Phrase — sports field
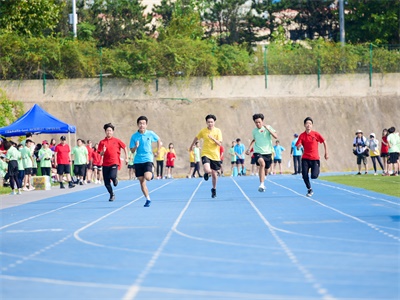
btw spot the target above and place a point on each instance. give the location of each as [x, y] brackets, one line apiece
[343, 243]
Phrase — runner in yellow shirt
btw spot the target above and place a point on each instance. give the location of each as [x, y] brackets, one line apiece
[210, 155]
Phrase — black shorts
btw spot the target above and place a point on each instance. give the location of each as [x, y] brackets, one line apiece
[214, 164]
[384, 154]
[97, 168]
[192, 164]
[28, 171]
[89, 166]
[131, 166]
[63, 169]
[253, 160]
[240, 161]
[277, 160]
[79, 170]
[13, 168]
[233, 162]
[394, 157]
[266, 157]
[142, 168]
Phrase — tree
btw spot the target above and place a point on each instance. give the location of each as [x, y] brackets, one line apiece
[9, 110]
[373, 21]
[118, 21]
[184, 21]
[315, 18]
[31, 18]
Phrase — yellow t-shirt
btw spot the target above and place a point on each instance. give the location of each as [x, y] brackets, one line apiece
[191, 156]
[210, 148]
[161, 154]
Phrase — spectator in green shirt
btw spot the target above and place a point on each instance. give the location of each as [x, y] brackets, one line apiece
[80, 159]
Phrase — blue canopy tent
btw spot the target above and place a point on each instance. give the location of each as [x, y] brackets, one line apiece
[36, 121]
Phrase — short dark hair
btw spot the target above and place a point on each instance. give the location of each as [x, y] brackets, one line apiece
[28, 141]
[308, 119]
[258, 116]
[7, 145]
[391, 129]
[211, 117]
[142, 118]
[108, 125]
[237, 140]
[80, 140]
[28, 134]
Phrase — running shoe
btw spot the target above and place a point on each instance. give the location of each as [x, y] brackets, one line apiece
[206, 176]
[261, 188]
[112, 198]
[115, 182]
[147, 204]
[310, 193]
[213, 193]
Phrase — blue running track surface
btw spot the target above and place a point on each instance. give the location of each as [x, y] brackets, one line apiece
[342, 243]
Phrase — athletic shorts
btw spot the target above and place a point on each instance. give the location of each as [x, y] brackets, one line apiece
[97, 168]
[89, 166]
[170, 166]
[214, 164]
[253, 160]
[384, 154]
[277, 160]
[63, 169]
[240, 161]
[13, 168]
[233, 162]
[142, 168]
[394, 157]
[79, 170]
[192, 165]
[361, 158]
[28, 171]
[266, 157]
[131, 166]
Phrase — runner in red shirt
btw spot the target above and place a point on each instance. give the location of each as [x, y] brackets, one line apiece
[110, 149]
[62, 162]
[309, 140]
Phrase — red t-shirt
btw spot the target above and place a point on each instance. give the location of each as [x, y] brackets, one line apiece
[171, 159]
[384, 148]
[221, 152]
[90, 151]
[62, 154]
[112, 155]
[97, 159]
[310, 143]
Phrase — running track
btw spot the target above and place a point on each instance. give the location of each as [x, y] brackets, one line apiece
[343, 243]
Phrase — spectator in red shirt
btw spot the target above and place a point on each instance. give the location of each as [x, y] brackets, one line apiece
[2, 151]
[110, 149]
[89, 167]
[62, 161]
[309, 139]
[171, 156]
[385, 152]
[97, 160]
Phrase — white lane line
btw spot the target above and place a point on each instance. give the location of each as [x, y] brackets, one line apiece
[25, 258]
[77, 232]
[64, 282]
[355, 193]
[370, 225]
[136, 286]
[309, 277]
[57, 209]
[182, 292]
